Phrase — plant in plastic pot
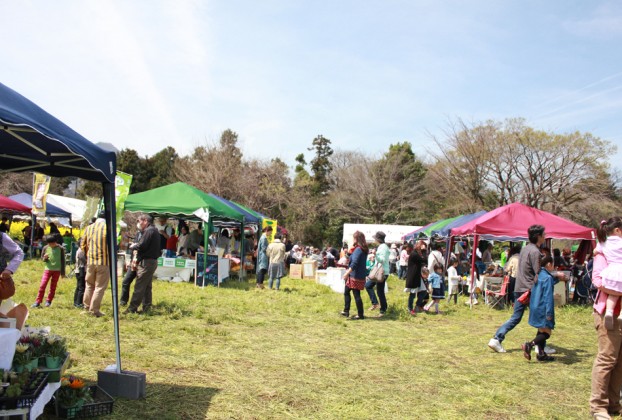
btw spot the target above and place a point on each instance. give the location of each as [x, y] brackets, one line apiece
[22, 357]
[55, 351]
[72, 392]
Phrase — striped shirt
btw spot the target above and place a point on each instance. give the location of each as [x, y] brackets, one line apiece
[94, 244]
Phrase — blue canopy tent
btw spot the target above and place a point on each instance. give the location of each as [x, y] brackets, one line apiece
[33, 140]
[446, 230]
[50, 209]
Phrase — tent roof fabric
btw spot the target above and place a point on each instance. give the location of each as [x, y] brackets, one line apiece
[73, 205]
[248, 216]
[427, 229]
[33, 140]
[9, 206]
[251, 211]
[444, 231]
[512, 221]
[179, 200]
[50, 209]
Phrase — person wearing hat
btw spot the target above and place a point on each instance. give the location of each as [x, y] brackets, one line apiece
[382, 257]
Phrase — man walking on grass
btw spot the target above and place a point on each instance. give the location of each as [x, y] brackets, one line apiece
[528, 268]
[148, 248]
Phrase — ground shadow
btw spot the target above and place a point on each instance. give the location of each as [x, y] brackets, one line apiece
[562, 355]
[163, 401]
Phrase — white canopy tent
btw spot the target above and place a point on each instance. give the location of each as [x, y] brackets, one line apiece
[73, 205]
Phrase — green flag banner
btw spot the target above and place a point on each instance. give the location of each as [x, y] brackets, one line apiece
[122, 189]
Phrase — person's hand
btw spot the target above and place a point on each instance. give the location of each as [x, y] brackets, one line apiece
[6, 274]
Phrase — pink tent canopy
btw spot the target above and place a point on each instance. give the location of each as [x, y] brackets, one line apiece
[9, 206]
[513, 220]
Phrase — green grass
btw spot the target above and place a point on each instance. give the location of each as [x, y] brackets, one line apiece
[238, 352]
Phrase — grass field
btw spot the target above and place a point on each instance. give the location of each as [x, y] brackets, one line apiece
[238, 352]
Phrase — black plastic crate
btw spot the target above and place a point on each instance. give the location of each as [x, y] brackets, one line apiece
[101, 406]
[31, 392]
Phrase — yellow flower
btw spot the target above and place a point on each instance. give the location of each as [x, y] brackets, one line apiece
[21, 347]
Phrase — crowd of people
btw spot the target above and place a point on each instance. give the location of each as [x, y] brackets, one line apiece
[532, 273]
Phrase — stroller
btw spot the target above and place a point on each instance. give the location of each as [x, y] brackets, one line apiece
[584, 290]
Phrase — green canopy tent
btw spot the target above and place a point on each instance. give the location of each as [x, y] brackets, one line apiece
[180, 200]
[427, 230]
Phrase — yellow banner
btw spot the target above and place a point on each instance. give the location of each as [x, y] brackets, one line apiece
[39, 194]
[269, 222]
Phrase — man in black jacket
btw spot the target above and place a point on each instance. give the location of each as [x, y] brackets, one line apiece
[148, 248]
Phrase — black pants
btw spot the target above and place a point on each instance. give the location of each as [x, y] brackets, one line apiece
[261, 275]
[127, 282]
[347, 299]
[422, 299]
[78, 295]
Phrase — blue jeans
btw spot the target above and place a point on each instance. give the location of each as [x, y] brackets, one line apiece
[278, 283]
[369, 286]
[517, 315]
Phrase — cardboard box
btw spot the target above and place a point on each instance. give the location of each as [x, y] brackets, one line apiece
[295, 271]
[308, 269]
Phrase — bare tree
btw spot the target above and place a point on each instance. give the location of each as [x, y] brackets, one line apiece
[385, 190]
[496, 163]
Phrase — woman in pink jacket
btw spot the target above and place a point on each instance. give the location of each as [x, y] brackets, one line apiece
[607, 369]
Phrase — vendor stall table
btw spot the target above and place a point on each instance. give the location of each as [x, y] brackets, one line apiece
[176, 269]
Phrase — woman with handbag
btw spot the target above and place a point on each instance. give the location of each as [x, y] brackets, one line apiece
[355, 276]
[383, 253]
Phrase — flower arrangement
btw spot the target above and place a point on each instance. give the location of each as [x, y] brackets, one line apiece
[54, 346]
[23, 354]
[72, 392]
[36, 343]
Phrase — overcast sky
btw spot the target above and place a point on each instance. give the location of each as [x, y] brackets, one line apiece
[145, 74]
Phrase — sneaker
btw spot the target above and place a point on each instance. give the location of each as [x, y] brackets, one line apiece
[544, 358]
[356, 318]
[123, 303]
[549, 350]
[345, 313]
[527, 350]
[496, 345]
[78, 305]
[374, 307]
[380, 315]
[413, 312]
[35, 305]
[48, 304]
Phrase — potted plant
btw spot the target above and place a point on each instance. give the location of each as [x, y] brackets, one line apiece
[37, 349]
[22, 357]
[55, 351]
[72, 394]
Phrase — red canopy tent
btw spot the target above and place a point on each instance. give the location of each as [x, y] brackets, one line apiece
[511, 222]
[9, 206]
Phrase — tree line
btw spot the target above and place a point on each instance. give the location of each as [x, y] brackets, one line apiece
[471, 167]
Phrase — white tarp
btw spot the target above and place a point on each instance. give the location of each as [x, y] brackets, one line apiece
[73, 205]
[394, 232]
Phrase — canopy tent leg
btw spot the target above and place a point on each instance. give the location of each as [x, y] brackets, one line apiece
[473, 257]
[111, 234]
